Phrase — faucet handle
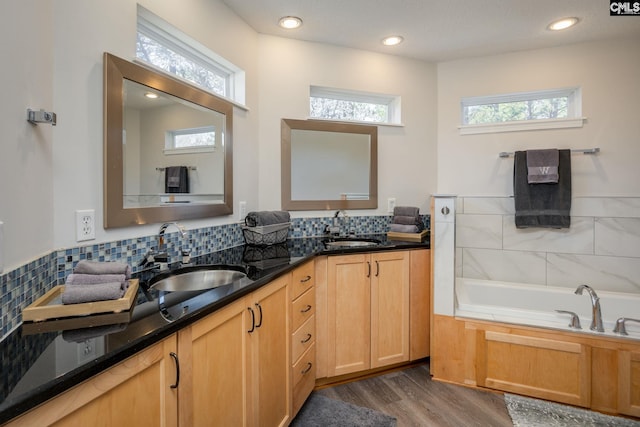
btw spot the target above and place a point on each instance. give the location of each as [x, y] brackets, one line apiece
[620, 325]
[575, 320]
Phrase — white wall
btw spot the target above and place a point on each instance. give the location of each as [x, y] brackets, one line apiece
[608, 74]
[406, 155]
[26, 173]
[83, 31]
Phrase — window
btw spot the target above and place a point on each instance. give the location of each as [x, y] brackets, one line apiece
[195, 140]
[163, 46]
[557, 108]
[343, 105]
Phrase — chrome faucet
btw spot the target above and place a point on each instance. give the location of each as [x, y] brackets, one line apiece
[162, 257]
[620, 328]
[596, 321]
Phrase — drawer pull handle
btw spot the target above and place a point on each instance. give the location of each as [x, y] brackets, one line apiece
[175, 358]
[306, 279]
[306, 309]
[377, 268]
[307, 369]
[307, 339]
[368, 269]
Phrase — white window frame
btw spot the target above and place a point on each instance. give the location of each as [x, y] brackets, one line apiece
[574, 111]
[166, 34]
[392, 102]
[170, 147]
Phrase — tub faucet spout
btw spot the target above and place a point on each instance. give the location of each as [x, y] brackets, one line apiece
[596, 321]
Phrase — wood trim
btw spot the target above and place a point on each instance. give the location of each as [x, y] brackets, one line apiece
[420, 304]
[533, 342]
[322, 317]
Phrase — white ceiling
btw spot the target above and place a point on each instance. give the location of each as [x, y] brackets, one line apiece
[438, 30]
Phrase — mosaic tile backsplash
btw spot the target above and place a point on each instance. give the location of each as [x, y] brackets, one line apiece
[22, 286]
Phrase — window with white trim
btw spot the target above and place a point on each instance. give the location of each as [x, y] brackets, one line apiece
[353, 106]
[192, 140]
[160, 44]
[544, 109]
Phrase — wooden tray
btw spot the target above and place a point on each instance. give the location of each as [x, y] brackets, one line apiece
[49, 306]
[408, 237]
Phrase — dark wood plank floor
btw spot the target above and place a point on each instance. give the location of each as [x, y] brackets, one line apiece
[415, 400]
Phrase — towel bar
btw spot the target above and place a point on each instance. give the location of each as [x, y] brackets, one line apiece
[193, 168]
[596, 150]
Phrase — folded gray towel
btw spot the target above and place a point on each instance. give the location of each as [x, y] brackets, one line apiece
[76, 294]
[93, 267]
[255, 219]
[406, 211]
[402, 228]
[94, 279]
[542, 166]
[406, 220]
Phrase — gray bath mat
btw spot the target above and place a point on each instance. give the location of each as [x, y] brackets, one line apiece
[321, 411]
[528, 412]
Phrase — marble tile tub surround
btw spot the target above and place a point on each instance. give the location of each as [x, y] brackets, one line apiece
[601, 248]
[22, 286]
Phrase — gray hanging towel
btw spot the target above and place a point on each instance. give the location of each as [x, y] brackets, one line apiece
[542, 166]
[545, 205]
[176, 179]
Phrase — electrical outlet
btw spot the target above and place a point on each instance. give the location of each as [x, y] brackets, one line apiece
[87, 350]
[242, 210]
[85, 225]
[391, 204]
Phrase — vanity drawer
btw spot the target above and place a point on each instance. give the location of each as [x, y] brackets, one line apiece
[304, 378]
[303, 338]
[302, 279]
[303, 308]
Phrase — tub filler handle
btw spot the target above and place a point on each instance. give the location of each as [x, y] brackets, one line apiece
[620, 328]
[575, 320]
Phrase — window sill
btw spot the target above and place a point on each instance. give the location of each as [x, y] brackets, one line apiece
[522, 126]
[358, 122]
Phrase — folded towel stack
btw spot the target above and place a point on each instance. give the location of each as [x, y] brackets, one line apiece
[96, 281]
[262, 218]
[406, 219]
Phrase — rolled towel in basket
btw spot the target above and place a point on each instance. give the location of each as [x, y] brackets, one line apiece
[94, 279]
[93, 267]
[256, 219]
[76, 294]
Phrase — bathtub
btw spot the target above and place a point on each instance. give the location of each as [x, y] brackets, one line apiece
[533, 305]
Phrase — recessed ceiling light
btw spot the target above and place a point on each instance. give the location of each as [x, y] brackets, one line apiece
[563, 24]
[290, 22]
[392, 40]
[151, 95]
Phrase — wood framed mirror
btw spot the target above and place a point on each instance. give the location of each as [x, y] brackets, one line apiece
[142, 145]
[329, 165]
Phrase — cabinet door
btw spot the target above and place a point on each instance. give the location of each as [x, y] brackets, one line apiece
[215, 391]
[270, 354]
[389, 308]
[348, 314]
[134, 392]
[420, 304]
[534, 366]
[629, 383]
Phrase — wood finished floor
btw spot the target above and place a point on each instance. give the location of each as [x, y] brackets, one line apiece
[415, 400]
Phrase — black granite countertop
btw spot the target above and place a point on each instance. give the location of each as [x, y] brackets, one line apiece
[41, 360]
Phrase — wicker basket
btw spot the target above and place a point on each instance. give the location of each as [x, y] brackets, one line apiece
[267, 234]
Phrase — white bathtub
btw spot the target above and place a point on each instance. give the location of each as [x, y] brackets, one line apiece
[535, 305]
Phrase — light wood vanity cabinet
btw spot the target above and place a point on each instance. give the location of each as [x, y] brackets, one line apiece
[137, 391]
[234, 359]
[303, 334]
[367, 311]
[629, 382]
